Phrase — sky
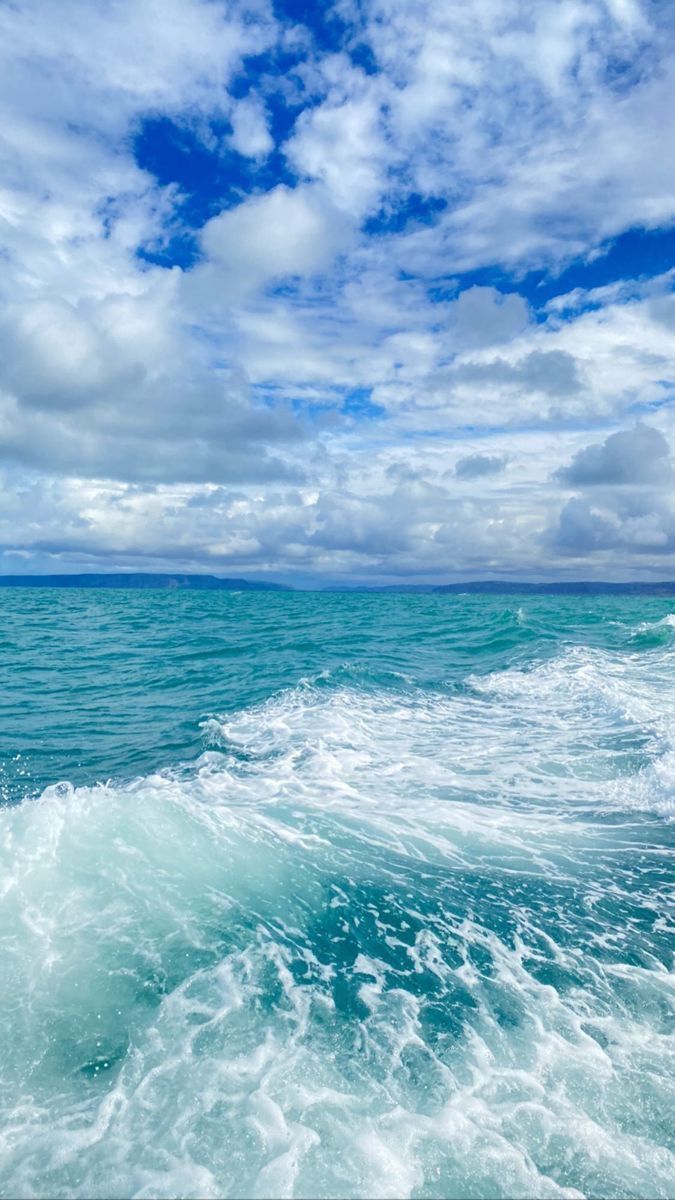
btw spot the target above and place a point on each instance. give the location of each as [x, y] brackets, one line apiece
[380, 291]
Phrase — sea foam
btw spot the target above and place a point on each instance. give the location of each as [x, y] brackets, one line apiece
[373, 942]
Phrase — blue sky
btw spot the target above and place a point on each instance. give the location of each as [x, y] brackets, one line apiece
[338, 292]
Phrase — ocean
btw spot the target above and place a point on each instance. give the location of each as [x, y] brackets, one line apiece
[336, 895]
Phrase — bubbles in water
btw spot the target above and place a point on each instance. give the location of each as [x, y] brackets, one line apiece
[375, 942]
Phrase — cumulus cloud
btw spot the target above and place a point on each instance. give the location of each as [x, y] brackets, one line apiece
[250, 132]
[284, 391]
[642, 529]
[341, 144]
[633, 456]
[627, 503]
[284, 232]
[583, 529]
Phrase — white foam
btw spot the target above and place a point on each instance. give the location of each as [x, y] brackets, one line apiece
[282, 974]
[667, 622]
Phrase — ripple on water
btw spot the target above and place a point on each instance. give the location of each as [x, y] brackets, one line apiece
[393, 929]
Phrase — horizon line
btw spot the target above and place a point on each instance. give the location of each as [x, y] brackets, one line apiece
[182, 580]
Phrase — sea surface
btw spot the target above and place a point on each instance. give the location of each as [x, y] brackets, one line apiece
[336, 895]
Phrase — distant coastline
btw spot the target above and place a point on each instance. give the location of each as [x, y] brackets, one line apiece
[141, 580]
[579, 587]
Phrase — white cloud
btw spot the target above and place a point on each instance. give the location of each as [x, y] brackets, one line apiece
[194, 416]
[342, 146]
[284, 232]
[250, 132]
[536, 123]
[130, 57]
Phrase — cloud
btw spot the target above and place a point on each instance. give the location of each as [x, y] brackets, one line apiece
[502, 117]
[262, 348]
[341, 144]
[552, 371]
[637, 530]
[627, 505]
[475, 466]
[134, 56]
[57, 357]
[635, 456]
[553, 374]
[483, 316]
[583, 529]
[116, 388]
[250, 132]
[286, 232]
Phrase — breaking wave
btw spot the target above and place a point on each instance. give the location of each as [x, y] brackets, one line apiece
[376, 941]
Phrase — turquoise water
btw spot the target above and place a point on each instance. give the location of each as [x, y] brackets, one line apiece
[336, 895]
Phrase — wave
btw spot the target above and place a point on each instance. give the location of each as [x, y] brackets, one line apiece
[585, 727]
[372, 943]
[648, 634]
